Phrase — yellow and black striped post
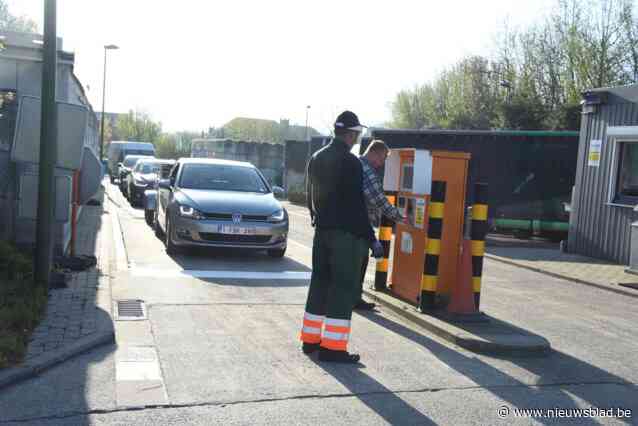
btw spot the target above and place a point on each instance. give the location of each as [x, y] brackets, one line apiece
[430, 277]
[477, 235]
[385, 237]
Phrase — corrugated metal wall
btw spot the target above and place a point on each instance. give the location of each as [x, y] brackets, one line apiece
[530, 174]
[598, 229]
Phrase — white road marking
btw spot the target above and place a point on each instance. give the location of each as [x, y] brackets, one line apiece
[141, 370]
[138, 377]
[299, 244]
[238, 275]
[306, 216]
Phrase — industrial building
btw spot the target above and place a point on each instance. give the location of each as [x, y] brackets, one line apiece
[605, 194]
[78, 170]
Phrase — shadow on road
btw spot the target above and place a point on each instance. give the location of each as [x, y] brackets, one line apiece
[374, 395]
[558, 370]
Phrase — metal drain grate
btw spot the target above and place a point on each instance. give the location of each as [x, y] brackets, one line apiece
[629, 285]
[130, 310]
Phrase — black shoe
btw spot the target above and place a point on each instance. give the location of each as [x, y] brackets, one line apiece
[362, 305]
[309, 348]
[343, 357]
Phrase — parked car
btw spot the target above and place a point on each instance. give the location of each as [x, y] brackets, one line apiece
[219, 203]
[126, 167]
[142, 177]
[118, 150]
[149, 199]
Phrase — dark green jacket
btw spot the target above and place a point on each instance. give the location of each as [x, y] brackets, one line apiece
[335, 193]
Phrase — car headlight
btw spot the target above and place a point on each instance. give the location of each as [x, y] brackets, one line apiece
[190, 212]
[140, 182]
[278, 216]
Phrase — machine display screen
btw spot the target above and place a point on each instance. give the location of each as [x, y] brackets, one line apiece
[407, 177]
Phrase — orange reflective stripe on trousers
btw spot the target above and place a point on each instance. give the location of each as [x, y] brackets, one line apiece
[336, 334]
[311, 330]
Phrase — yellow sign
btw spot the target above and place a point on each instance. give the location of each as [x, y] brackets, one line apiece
[595, 147]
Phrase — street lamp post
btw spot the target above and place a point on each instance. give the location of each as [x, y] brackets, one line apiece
[48, 149]
[107, 47]
[307, 110]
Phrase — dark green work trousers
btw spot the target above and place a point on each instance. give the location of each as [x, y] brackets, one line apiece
[337, 259]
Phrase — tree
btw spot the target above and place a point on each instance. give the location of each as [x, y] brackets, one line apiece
[138, 126]
[537, 75]
[11, 22]
[175, 145]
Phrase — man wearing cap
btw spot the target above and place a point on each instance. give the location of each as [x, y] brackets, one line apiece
[343, 236]
[372, 162]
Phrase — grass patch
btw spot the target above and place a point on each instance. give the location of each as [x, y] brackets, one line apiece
[22, 304]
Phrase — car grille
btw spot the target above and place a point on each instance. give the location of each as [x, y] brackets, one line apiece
[229, 217]
[241, 239]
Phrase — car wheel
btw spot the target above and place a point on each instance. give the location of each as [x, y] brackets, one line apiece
[149, 215]
[277, 252]
[171, 248]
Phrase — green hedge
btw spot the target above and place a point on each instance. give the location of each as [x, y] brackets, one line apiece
[22, 304]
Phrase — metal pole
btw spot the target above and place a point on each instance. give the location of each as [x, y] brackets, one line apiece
[103, 102]
[48, 149]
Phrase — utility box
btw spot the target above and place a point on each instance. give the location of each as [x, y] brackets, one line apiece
[409, 174]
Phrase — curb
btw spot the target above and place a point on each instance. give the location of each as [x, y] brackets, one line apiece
[561, 276]
[42, 363]
[533, 346]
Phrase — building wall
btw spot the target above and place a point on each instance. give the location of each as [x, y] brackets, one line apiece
[267, 157]
[295, 158]
[598, 229]
[21, 70]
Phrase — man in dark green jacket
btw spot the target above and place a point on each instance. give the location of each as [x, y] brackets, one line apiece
[343, 236]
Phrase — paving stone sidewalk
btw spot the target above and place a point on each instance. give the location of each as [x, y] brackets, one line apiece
[78, 317]
[566, 265]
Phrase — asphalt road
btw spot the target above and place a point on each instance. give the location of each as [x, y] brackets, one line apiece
[220, 350]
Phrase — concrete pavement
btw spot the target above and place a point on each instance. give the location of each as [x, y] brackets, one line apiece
[228, 353]
[78, 318]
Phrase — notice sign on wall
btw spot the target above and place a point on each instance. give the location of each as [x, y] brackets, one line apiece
[595, 147]
[406, 243]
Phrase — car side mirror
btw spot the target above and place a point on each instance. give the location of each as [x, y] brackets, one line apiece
[278, 191]
[164, 184]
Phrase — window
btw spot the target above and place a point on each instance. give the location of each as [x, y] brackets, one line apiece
[627, 173]
[407, 177]
[221, 178]
[8, 113]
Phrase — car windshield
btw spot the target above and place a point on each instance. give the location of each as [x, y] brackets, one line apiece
[222, 178]
[130, 161]
[146, 168]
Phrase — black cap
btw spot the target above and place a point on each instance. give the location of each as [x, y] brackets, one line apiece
[348, 120]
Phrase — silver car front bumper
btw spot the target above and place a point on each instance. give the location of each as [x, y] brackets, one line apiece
[212, 233]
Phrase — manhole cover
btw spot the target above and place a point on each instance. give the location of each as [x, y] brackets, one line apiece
[633, 286]
[130, 310]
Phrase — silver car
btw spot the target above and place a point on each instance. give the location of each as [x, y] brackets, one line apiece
[219, 203]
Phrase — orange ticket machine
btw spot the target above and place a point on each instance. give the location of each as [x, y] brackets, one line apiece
[409, 174]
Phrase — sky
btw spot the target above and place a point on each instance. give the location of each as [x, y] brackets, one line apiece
[195, 64]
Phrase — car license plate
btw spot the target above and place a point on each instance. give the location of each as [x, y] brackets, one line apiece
[236, 230]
